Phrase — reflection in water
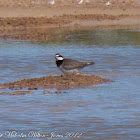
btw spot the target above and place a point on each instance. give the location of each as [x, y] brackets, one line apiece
[102, 37]
[106, 111]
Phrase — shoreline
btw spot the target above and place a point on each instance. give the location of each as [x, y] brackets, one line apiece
[36, 23]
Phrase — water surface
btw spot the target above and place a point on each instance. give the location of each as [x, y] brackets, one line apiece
[102, 112]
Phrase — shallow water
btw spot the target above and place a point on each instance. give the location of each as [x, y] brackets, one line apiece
[102, 112]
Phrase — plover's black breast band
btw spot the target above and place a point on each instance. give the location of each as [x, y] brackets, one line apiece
[59, 63]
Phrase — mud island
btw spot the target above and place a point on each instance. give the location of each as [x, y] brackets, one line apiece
[57, 82]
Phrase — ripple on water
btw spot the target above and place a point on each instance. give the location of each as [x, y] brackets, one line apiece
[106, 111]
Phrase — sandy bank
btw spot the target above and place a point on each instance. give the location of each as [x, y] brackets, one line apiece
[33, 19]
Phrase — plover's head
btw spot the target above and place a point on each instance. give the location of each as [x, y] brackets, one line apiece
[58, 57]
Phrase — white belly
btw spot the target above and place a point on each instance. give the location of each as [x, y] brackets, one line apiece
[73, 71]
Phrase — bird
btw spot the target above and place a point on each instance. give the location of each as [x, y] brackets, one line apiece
[51, 2]
[107, 3]
[80, 2]
[70, 66]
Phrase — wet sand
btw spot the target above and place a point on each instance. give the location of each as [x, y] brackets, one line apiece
[34, 20]
[57, 82]
[16, 93]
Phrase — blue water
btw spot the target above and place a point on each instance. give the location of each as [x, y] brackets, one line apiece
[107, 111]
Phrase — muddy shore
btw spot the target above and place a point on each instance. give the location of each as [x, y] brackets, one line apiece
[38, 20]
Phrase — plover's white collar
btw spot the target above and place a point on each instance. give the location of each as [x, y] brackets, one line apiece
[59, 57]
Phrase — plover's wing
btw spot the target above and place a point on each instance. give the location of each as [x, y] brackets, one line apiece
[73, 64]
